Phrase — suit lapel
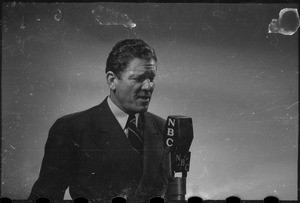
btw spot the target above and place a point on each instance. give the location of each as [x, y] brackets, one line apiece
[153, 146]
[111, 138]
[153, 154]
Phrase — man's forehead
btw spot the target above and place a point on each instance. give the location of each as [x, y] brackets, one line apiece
[143, 70]
[146, 68]
[142, 64]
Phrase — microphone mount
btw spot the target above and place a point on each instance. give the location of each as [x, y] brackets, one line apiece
[178, 136]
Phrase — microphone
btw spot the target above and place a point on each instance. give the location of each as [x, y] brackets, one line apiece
[178, 136]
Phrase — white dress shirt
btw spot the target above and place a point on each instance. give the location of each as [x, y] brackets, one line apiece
[120, 115]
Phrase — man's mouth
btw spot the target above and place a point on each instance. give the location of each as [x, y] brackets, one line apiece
[145, 98]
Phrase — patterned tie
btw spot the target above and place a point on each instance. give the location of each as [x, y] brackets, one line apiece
[134, 135]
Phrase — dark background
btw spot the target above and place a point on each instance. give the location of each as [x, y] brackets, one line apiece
[217, 64]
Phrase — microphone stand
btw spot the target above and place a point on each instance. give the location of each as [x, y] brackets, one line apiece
[176, 190]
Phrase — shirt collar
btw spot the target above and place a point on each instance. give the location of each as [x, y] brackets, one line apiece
[120, 115]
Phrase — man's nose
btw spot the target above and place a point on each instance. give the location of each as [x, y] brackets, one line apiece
[148, 84]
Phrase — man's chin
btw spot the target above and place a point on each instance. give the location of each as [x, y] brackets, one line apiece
[143, 109]
[139, 109]
[142, 106]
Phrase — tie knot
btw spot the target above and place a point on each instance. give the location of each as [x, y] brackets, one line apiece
[131, 120]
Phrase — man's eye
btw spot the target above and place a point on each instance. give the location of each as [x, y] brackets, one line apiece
[139, 79]
[142, 79]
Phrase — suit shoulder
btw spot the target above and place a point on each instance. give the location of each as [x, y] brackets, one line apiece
[71, 125]
[155, 117]
[79, 117]
[157, 120]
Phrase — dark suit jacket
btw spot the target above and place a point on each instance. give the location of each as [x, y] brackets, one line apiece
[89, 152]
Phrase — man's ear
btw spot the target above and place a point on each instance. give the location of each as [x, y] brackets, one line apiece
[111, 80]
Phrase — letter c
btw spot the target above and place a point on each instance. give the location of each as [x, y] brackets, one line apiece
[168, 142]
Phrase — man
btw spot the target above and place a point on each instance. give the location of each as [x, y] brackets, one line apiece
[115, 148]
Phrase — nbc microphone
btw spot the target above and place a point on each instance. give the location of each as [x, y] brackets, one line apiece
[178, 136]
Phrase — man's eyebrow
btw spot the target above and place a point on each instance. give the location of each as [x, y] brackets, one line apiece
[151, 67]
[141, 74]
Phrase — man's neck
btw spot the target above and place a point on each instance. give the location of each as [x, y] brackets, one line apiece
[120, 115]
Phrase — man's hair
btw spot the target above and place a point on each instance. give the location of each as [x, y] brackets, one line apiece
[126, 50]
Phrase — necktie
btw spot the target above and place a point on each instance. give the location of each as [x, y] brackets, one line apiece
[134, 135]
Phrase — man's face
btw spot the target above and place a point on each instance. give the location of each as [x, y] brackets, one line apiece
[133, 90]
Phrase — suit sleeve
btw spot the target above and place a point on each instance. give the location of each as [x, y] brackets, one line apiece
[57, 165]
